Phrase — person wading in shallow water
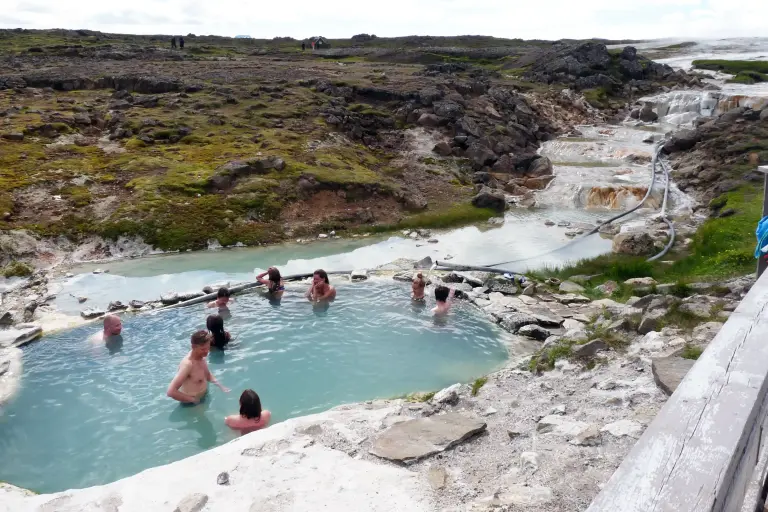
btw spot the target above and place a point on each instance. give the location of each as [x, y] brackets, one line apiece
[190, 384]
[275, 285]
[321, 289]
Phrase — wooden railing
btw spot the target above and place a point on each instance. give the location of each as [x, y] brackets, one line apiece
[706, 450]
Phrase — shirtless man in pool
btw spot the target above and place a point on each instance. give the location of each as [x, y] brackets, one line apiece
[191, 382]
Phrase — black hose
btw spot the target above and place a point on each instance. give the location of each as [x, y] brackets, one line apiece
[241, 287]
[442, 265]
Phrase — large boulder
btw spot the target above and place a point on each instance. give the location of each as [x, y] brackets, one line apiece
[448, 109]
[430, 120]
[489, 198]
[225, 176]
[682, 141]
[540, 167]
[647, 115]
[636, 244]
[480, 156]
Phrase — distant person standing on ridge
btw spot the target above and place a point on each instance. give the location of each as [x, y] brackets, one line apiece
[181, 43]
[313, 45]
[303, 46]
[173, 42]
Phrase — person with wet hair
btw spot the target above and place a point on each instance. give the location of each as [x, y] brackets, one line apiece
[417, 288]
[251, 416]
[223, 297]
[275, 284]
[220, 337]
[190, 384]
[443, 297]
[321, 289]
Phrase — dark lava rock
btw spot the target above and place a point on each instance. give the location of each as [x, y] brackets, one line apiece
[682, 141]
[443, 149]
[489, 198]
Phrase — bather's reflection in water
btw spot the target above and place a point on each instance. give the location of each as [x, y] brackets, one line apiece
[195, 418]
[225, 313]
[114, 343]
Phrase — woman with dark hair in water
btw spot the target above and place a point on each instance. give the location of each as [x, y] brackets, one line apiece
[275, 285]
[215, 325]
[321, 288]
[251, 416]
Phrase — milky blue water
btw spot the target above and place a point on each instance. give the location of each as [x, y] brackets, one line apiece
[89, 414]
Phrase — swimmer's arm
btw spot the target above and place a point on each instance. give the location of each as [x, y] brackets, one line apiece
[260, 278]
[175, 385]
[213, 380]
[308, 295]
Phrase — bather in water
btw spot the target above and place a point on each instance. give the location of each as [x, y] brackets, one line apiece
[321, 289]
[275, 284]
[223, 298]
[251, 416]
[220, 337]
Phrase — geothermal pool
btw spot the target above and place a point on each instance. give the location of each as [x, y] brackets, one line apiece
[89, 414]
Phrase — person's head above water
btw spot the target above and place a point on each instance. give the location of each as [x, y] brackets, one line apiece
[223, 293]
[215, 324]
[112, 325]
[441, 293]
[201, 344]
[320, 275]
[250, 404]
[274, 275]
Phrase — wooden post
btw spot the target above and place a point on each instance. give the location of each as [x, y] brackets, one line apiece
[762, 264]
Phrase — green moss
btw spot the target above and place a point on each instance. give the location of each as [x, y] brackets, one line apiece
[749, 78]
[419, 397]
[691, 352]
[479, 383]
[79, 195]
[453, 216]
[732, 67]
[135, 143]
[545, 360]
[17, 269]
[598, 97]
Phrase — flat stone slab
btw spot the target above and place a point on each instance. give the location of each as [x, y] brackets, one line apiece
[668, 372]
[623, 428]
[570, 298]
[19, 337]
[558, 425]
[412, 440]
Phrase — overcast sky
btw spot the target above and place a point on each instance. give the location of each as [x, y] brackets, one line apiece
[528, 19]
